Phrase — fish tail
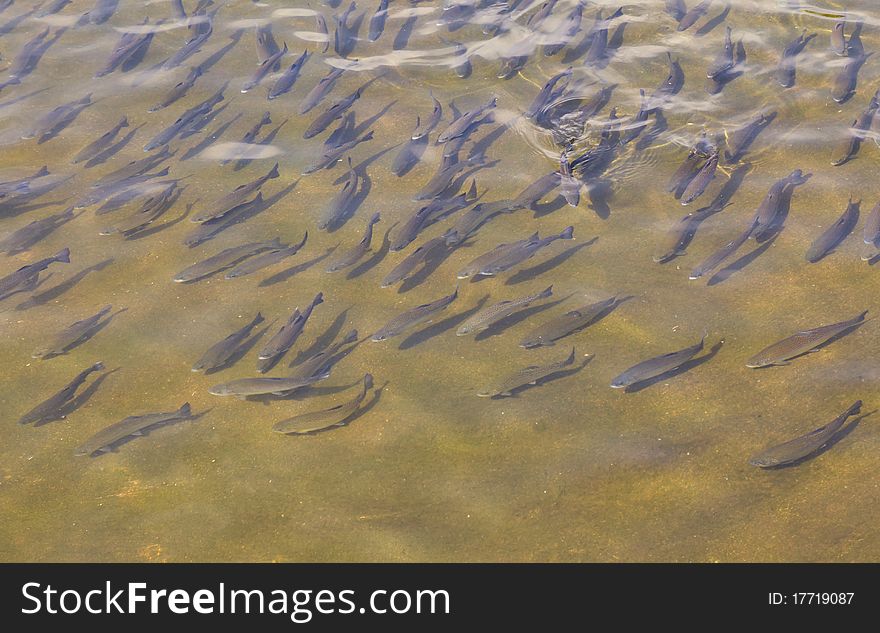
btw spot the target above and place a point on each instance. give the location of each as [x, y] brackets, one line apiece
[274, 172]
[124, 121]
[185, 410]
[567, 234]
[570, 359]
[547, 292]
[63, 256]
[43, 171]
[368, 381]
[258, 319]
[98, 366]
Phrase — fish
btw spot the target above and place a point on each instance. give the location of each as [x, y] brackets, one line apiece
[834, 234]
[132, 425]
[569, 186]
[317, 94]
[128, 45]
[768, 211]
[262, 70]
[152, 209]
[462, 124]
[288, 78]
[321, 27]
[638, 122]
[27, 277]
[22, 185]
[187, 119]
[475, 217]
[236, 198]
[442, 180]
[335, 111]
[430, 123]
[129, 173]
[340, 203]
[679, 237]
[527, 376]
[487, 317]
[59, 118]
[265, 260]
[510, 66]
[102, 11]
[838, 38]
[687, 171]
[29, 56]
[420, 255]
[72, 335]
[412, 317]
[676, 8]
[695, 13]
[53, 408]
[315, 421]
[285, 338]
[352, 256]
[715, 259]
[566, 30]
[179, 90]
[343, 36]
[844, 85]
[786, 70]
[568, 323]
[671, 84]
[410, 154]
[740, 139]
[725, 60]
[331, 156]
[429, 214]
[698, 185]
[507, 256]
[192, 46]
[262, 386]
[801, 342]
[321, 363]
[265, 43]
[856, 133]
[871, 234]
[656, 366]
[101, 143]
[599, 42]
[30, 234]
[220, 353]
[377, 22]
[805, 445]
[547, 94]
[118, 194]
[225, 259]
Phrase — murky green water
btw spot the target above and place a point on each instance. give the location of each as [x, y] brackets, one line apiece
[571, 470]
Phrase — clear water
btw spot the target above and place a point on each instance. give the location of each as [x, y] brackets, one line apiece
[567, 471]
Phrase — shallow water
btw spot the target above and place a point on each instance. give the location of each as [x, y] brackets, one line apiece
[570, 470]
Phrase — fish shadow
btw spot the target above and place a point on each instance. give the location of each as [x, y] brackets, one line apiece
[115, 446]
[499, 327]
[713, 23]
[845, 233]
[434, 260]
[367, 123]
[241, 351]
[557, 375]
[221, 52]
[165, 225]
[287, 273]
[80, 400]
[725, 273]
[377, 257]
[528, 274]
[266, 140]
[409, 156]
[324, 340]
[834, 439]
[600, 192]
[56, 291]
[576, 52]
[744, 148]
[486, 142]
[546, 208]
[210, 139]
[654, 132]
[87, 335]
[114, 149]
[441, 326]
[684, 367]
